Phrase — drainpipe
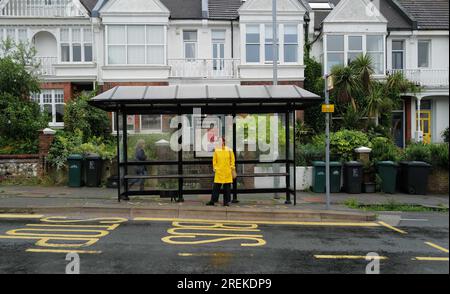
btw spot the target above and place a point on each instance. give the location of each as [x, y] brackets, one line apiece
[232, 39]
[385, 49]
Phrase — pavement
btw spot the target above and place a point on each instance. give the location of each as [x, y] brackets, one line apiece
[115, 245]
[310, 206]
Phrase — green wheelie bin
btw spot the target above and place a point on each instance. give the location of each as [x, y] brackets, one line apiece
[387, 170]
[319, 177]
[75, 162]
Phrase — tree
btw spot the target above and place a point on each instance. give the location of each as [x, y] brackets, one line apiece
[314, 82]
[363, 67]
[17, 70]
[377, 101]
[346, 84]
[91, 121]
[20, 118]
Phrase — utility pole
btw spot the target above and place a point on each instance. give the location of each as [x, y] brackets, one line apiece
[276, 167]
[275, 42]
[328, 109]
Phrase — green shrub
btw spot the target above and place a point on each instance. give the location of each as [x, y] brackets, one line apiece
[91, 121]
[308, 153]
[445, 135]
[383, 149]
[63, 145]
[66, 143]
[439, 155]
[417, 152]
[434, 154]
[20, 122]
[343, 142]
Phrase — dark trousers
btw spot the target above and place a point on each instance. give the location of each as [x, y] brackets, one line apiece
[216, 192]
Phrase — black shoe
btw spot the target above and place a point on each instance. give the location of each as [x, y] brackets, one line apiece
[124, 198]
[210, 203]
[226, 204]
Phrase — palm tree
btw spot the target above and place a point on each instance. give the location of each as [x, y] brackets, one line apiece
[363, 67]
[377, 101]
[346, 83]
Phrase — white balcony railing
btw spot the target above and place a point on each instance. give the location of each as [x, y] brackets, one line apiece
[39, 8]
[204, 68]
[46, 65]
[434, 78]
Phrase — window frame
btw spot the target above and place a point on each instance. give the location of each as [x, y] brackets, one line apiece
[253, 44]
[402, 51]
[70, 42]
[297, 43]
[346, 55]
[39, 98]
[428, 41]
[335, 51]
[146, 45]
[347, 51]
[195, 43]
[383, 46]
[151, 131]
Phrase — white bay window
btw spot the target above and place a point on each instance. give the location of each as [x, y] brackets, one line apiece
[135, 44]
[355, 48]
[375, 49]
[344, 49]
[335, 51]
[76, 45]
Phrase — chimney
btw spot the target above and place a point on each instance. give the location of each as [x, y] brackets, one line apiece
[205, 10]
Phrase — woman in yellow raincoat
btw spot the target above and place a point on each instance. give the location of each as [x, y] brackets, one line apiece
[224, 169]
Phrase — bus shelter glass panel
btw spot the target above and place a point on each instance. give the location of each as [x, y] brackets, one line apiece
[152, 155]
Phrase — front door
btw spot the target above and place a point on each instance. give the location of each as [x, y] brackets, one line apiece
[425, 125]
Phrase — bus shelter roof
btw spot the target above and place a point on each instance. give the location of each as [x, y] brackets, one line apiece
[217, 98]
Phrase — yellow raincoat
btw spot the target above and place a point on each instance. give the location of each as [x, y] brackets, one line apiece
[223, 163]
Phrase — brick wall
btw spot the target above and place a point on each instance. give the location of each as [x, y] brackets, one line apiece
[438, 182]
[66, 86]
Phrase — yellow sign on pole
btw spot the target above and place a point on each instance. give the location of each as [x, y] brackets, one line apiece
[328, 108]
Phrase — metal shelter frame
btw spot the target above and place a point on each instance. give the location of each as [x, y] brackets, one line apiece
[211, 99]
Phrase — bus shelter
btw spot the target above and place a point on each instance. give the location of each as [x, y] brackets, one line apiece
[229, 105]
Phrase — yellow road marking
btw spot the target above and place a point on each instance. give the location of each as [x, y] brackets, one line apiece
[170, 240]
[63, 251]
[108, 227]
[103, 220]
[21, 216]
[26, 232]
[431, 258]
[205, 254]
[392, 228]
[437, 247]
[344, 224]
[348, 257]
